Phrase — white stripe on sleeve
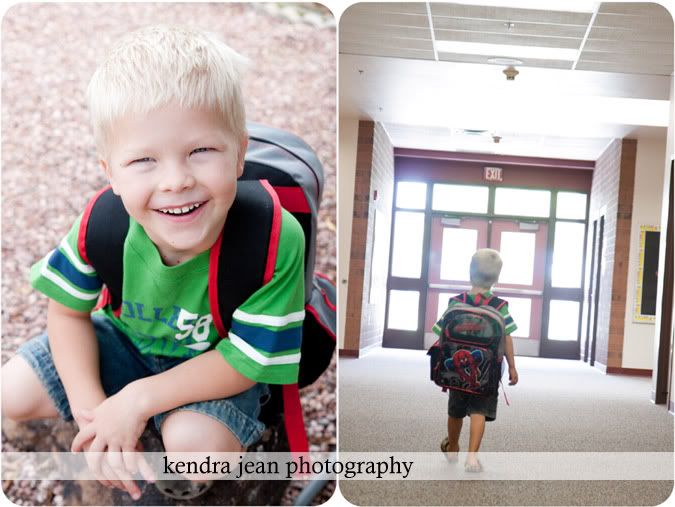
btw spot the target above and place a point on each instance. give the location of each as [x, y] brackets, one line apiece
[258, 357]
[79, 265]
[269, 320]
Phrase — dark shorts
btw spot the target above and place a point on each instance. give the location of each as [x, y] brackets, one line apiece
[462, 404]
[121, 364]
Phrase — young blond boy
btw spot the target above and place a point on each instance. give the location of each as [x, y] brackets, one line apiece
[169, 123]
[486, 264]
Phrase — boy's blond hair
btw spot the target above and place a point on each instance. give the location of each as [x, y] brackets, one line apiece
[159, 64]
[486, 264]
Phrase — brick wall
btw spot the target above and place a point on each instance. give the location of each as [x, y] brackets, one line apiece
[612, 196]
[374, 172]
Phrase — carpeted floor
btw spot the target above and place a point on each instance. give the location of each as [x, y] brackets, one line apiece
[387, 403]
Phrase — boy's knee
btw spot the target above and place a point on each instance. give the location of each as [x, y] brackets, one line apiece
[22, 392]
[187, 431]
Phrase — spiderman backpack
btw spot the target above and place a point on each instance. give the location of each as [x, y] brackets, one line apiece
[468, 355]
[280, 171]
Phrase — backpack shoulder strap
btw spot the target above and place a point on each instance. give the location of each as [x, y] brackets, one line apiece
[103, 229]
[460, 297]
[496, 302]
[243, 258]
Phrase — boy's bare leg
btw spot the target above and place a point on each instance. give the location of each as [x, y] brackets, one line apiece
[475, 437]
[23, 395]
[454, 430]
[185, 431]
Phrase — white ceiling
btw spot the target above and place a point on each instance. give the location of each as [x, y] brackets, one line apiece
[617, 85]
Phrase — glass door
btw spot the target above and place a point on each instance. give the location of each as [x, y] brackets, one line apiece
[453, 242]
[522, 246]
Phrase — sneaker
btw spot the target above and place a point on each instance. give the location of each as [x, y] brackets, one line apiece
[183, 490]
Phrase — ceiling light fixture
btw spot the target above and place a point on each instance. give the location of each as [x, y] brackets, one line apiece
[510, 73]
[506, 50]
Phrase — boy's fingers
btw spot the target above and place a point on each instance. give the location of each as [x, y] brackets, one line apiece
[110, 476]
[85, 434]
[114, 459]
[146, 470]
[143, 467]
[95, 454]
[130, 461]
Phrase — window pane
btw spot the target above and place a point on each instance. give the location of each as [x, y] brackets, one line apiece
[522, 202]
[460, 198]
[443, 299]
[568, 251]
[571, 205]
[408, 236]
[458, 247]
[517, 251]
[521, 311]
[410, 194]
[563, 320]
[403, 305]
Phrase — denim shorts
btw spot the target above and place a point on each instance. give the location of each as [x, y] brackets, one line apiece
[121, 363]
[462, 404]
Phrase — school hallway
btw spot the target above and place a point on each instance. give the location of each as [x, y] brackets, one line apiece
[388, 403]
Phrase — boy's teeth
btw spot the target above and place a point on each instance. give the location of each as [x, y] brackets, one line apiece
[180, 211]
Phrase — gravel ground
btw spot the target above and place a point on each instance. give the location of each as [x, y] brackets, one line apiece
[49, 52]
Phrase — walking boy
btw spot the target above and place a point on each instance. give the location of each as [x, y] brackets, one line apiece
[169, 123]
[486, 264]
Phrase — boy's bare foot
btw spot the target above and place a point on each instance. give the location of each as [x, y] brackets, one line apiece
[452, 455]
[472, 464]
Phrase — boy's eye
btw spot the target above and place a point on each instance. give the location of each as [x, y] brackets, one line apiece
[141, 160]
[200, 150]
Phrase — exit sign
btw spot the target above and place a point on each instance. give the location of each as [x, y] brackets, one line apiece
[493, 174]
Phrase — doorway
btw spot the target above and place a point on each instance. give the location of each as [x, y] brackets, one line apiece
[522, 245]
[541, 235]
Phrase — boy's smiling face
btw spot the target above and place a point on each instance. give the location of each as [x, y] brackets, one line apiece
[176, 171]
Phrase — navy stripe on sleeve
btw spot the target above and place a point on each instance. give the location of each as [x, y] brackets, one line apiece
[60, 263]
[268, 340]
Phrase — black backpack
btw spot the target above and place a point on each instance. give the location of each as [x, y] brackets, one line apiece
[468, 354]
[280, 171]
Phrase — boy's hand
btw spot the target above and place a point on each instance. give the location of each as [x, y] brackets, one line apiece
[99, 464]
[513, 376]
[115, 426]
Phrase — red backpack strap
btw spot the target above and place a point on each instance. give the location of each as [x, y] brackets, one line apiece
[240, 263]
[294, 420]
[496, 303]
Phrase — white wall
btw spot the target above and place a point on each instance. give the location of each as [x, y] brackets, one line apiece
[638, 343]
[349, 130]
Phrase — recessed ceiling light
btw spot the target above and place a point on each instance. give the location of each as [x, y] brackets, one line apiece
[506, 50]
[505, 61]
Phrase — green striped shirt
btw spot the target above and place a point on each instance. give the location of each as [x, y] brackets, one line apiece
[165, 309]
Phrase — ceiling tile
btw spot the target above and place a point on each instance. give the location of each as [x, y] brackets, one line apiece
[355, 32]
[626, 68]
[629, 46]
[498, 26]
[509, 14]
[632, 22]
[360, 49]
[650, 35]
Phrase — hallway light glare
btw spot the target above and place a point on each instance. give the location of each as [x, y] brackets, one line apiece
[506, 50]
